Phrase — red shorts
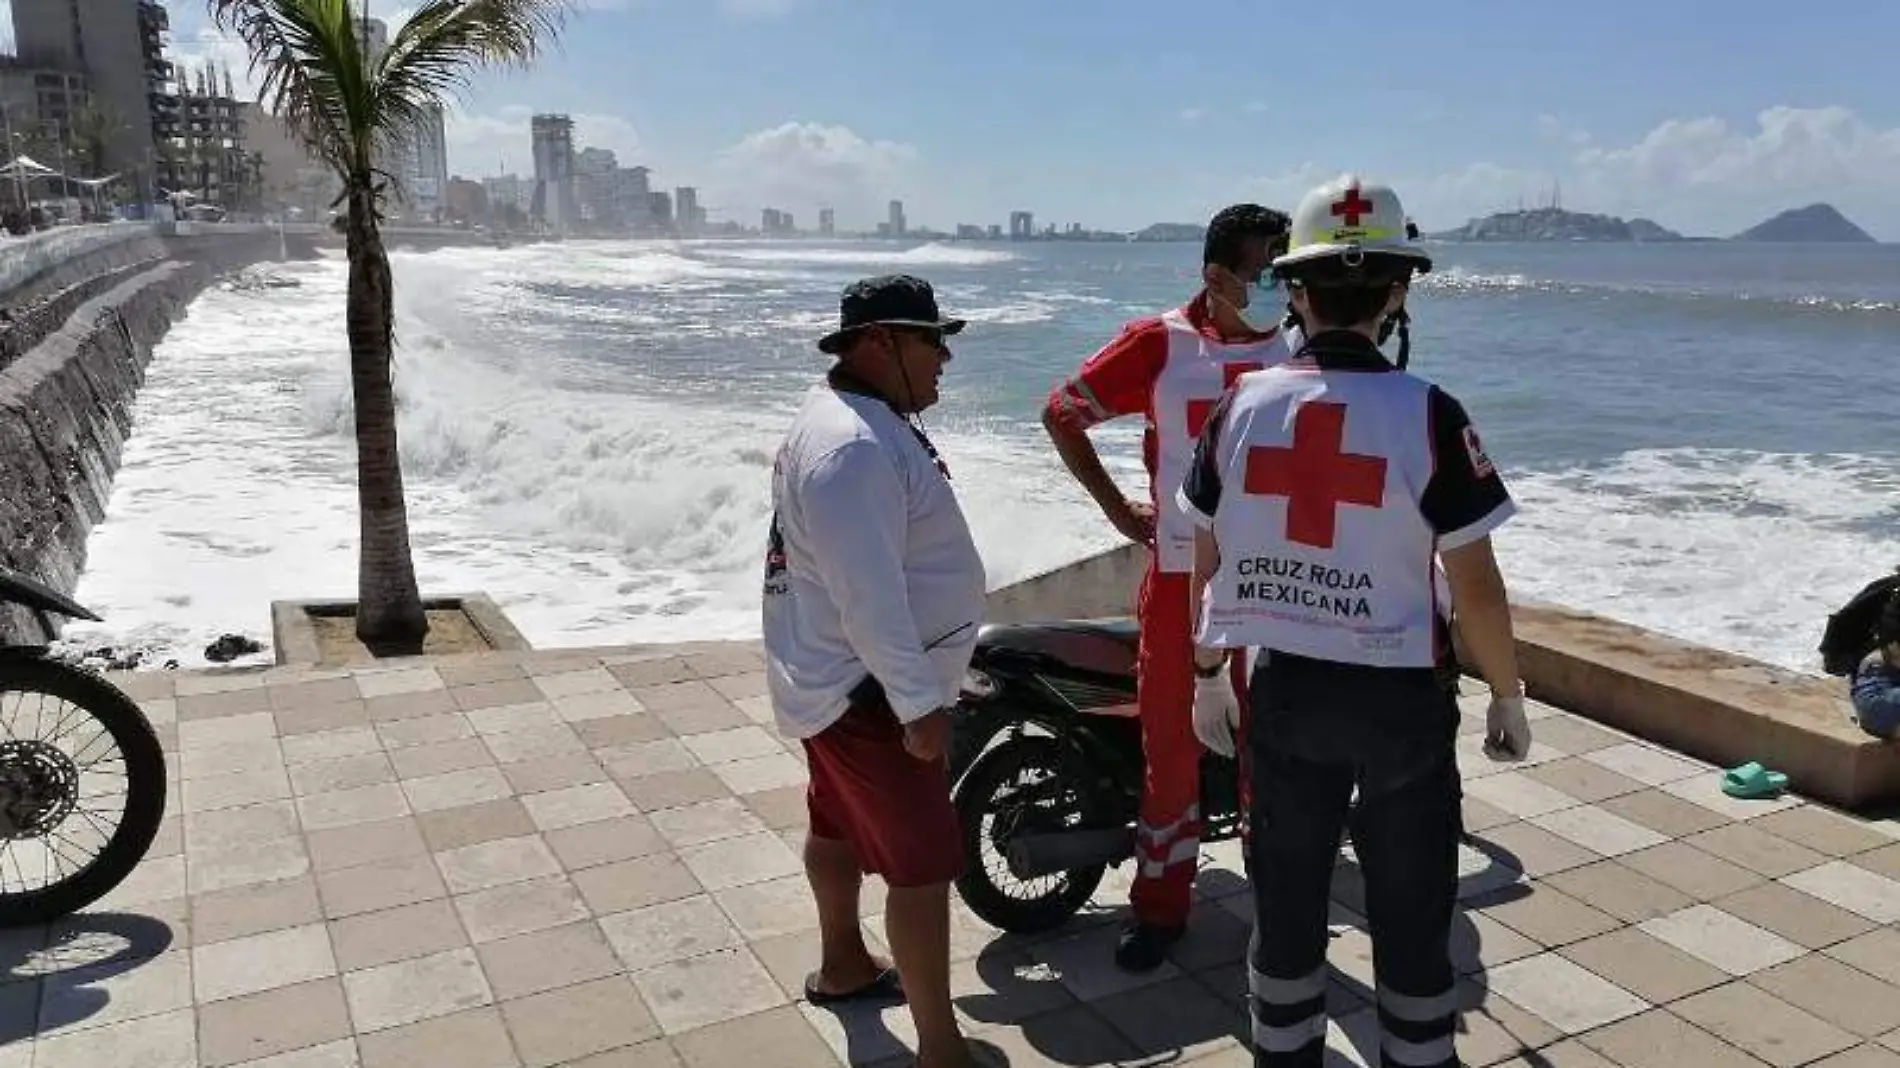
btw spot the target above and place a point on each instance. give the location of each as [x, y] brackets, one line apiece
[895, 810]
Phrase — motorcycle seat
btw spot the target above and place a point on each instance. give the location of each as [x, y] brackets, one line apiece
[1104, 646]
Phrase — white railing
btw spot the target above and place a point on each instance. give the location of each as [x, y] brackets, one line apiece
[23, 257]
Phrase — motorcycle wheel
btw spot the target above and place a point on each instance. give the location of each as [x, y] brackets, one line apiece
[43, 819]
[989, 815]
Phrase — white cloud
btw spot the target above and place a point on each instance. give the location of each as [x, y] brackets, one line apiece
[1256, 107]
[1810, 150]
[1697, 175]
[482, 144]
[1191, 115]
[800, 166]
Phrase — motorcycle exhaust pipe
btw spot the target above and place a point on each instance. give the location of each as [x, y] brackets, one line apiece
[1032, 856]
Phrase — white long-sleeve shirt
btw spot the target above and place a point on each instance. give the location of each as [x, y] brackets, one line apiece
[870, 561]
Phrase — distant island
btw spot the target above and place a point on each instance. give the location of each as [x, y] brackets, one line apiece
[1816, 223]
[1170, 232]
[1557, 224]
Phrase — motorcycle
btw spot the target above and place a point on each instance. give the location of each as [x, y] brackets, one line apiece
[83, 846]
[1046, 765]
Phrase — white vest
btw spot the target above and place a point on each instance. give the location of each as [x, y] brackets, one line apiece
[1198, 370]
[1324, 550]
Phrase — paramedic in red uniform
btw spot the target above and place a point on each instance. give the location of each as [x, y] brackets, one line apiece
[1170, 370]
[1326, 490]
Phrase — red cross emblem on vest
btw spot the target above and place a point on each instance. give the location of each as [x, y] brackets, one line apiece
[1199, 410]
[1352, 207]
[1315, 476]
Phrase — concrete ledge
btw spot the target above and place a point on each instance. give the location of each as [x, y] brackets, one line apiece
[1708, 704]
[1705, 703]
[1105, 584]
[294, 639]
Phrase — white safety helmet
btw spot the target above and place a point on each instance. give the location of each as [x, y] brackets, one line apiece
[1347, 219]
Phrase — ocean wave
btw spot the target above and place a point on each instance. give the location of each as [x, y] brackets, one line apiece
[935, 253]
[604, 510]
[1735, 549]
[1459, 280]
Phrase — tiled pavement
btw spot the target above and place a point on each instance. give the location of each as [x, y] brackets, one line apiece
[590, 858]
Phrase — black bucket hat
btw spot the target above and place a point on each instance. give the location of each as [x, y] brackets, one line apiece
[888, 300]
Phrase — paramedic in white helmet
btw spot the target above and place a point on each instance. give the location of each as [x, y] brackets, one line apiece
[1325, 489]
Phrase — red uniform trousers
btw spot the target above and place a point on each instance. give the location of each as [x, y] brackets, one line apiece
[1168, 833]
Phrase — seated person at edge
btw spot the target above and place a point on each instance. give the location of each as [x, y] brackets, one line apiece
[1875, 684]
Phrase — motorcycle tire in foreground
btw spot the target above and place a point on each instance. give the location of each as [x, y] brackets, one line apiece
[56, 721]
[1020, 786]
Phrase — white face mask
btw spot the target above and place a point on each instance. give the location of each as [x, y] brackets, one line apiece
[1265, 308]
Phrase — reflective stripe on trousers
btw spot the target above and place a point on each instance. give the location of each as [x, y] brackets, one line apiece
[1161, 848]
[1417, 1032]
[1288, 1016]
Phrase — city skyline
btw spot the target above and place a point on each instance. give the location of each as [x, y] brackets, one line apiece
[1133, 114]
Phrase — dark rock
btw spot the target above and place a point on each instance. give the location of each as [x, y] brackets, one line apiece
[1556, 224]
[231, 646]
[1816, 222]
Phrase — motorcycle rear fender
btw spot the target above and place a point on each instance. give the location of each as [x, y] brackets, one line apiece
[1016, 705]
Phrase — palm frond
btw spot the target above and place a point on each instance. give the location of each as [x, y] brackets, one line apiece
[317, 78]
[434, 53]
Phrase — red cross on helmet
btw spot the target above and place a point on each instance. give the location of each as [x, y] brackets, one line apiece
[1349, 218]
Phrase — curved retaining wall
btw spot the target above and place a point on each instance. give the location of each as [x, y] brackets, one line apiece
[69, 371]
[23, 259]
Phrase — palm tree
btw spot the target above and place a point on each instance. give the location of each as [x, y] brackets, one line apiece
[344, 105]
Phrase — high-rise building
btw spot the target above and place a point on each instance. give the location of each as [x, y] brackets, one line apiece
[896, 222]
[660, 209]
[45, 106]
[553, 137]
[119, 48]
[1022, 225]
[827, 222]
[691, 217]
[593, 186]
[632, 197]
[205, 154]
[426, 164]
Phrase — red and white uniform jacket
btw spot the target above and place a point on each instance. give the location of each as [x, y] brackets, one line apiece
[1171, 369]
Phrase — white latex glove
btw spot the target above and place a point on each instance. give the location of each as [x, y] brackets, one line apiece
[1216, 713]
[1507, 733]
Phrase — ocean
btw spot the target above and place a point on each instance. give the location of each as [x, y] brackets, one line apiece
[1701, 436]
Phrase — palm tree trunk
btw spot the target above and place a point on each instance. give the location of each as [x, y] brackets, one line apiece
[389, 617]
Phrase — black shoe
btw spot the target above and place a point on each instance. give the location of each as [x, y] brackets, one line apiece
[1144, 947]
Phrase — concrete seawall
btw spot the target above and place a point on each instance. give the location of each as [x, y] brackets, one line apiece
[71, 364]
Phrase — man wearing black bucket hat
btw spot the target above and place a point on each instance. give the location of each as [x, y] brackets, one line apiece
[873, 593]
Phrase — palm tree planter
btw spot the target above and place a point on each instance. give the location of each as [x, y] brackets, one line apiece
[344, 105]
[322, 632]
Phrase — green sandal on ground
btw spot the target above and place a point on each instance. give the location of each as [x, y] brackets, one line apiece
[1752, 782]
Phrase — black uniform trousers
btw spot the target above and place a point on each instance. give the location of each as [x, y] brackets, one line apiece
[1318, 730]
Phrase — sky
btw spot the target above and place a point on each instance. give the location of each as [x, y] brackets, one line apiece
[1119, 113]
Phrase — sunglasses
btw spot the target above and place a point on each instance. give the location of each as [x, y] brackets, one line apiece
[932, 338]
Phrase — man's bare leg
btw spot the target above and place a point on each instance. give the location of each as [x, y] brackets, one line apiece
[917, 922]
[847, 964]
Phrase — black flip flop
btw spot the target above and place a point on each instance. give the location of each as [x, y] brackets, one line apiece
[886, 987]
